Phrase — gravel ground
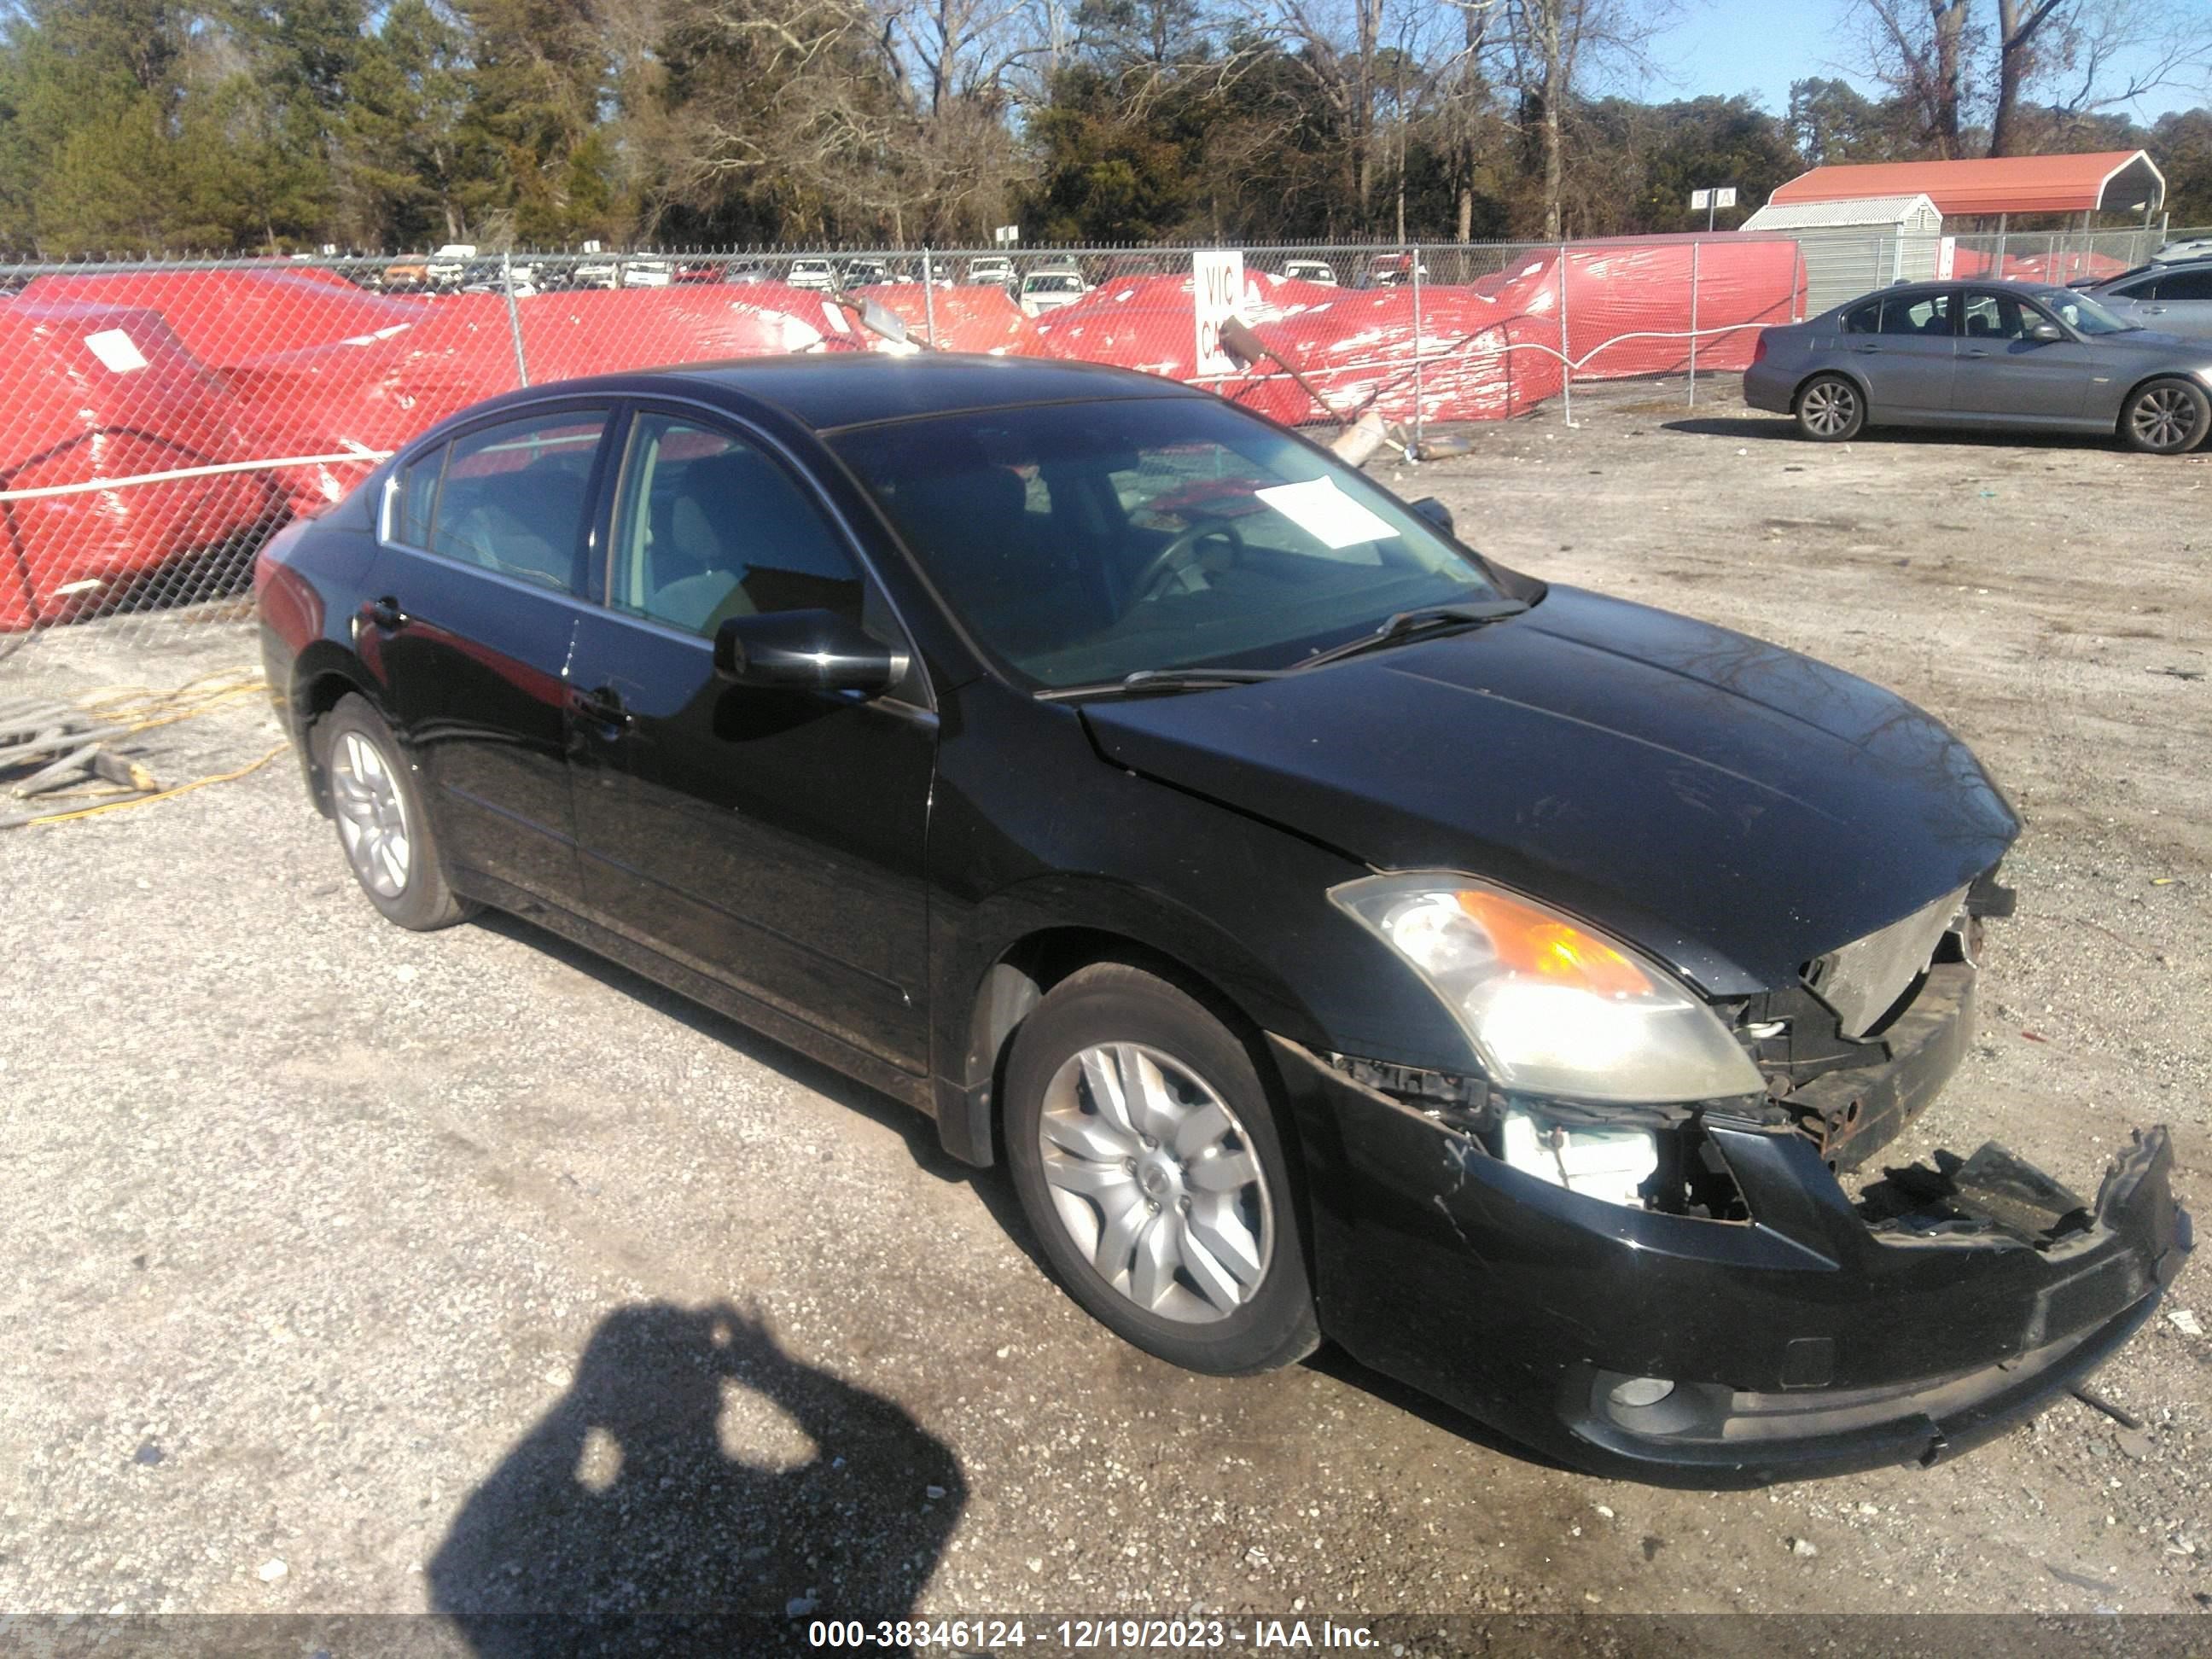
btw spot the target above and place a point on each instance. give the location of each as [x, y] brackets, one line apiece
[358, 1271]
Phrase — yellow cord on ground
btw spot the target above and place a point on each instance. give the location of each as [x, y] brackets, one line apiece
[142, 709]
[163, 794]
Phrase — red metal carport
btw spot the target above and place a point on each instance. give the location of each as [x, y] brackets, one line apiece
[2104, 181]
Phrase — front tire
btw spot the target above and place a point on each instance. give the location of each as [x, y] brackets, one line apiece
[382, 827]
[1148, 1158]
[1831, 409]
[2166, 418]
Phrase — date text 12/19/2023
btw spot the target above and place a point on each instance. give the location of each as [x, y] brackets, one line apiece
[1087, 1635]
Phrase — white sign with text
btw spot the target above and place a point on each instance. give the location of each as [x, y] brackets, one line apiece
[1217, 284]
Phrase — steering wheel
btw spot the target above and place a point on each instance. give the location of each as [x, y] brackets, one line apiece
[1182, 552]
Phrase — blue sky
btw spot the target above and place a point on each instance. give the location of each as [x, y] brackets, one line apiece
[1760, 46]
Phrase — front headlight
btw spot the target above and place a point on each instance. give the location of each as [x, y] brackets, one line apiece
[1550, 1006]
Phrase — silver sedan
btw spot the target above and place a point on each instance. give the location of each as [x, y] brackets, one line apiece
[1993, 355]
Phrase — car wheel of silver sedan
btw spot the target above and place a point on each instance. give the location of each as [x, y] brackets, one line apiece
[2166, 418]
[387, 836]
[1147, 1155]
[1831, 409]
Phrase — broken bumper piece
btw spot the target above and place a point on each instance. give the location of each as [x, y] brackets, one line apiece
[1817, 1338]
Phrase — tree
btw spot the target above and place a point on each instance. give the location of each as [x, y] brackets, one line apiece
[1969, 69]
[1832, 121]
[539, 73]
[411, 173]
[1553, 48]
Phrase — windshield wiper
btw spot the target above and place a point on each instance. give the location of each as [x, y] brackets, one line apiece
[1405, 624]
[1165, 679]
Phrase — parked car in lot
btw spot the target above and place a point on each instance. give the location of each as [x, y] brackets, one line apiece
[2174, 299]
[1051, 289]
[811, 273]
[1998, 355]
[2192, 247]
[449, 266]
[649, 270]
[517, 276]
[1310, 270]
[595, 270]
[864, 273]
[1389, 270]
[1337, 933]
[409, 274]
[992, 268]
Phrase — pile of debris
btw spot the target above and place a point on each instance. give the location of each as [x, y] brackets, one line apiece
[53, 754]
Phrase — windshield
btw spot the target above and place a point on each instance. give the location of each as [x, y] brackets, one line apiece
[1079, 544]
[2079, 310]
[1054, 283]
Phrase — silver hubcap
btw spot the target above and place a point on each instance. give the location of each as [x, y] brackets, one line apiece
[2166, 418]
[1829, 409]
[1155, 1182]
[372, 818]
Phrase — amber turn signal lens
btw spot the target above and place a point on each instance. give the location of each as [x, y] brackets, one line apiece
[1530, 941]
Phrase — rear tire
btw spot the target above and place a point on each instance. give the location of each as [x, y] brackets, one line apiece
[1178, 1184]
[382, 827]
[1831, 409]
[2166, 418]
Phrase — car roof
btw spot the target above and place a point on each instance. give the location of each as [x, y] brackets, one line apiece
[842, 389]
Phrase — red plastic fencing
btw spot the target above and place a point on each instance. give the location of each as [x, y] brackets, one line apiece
[156, 423]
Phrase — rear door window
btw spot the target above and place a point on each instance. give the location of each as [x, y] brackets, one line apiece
[1917, 314]
[2186, 285]
[1865, 319]
[515, 496]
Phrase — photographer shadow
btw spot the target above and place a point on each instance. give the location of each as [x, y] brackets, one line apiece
[621, 1516]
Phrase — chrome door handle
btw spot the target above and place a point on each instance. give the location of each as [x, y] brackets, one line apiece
[1976, 351]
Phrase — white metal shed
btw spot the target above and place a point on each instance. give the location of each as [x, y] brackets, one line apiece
[1851, 248]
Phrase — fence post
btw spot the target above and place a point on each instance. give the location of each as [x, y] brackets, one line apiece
[929, 298]
[1416, 279]
[514, 321]
[1566, 361]
[1696, 248]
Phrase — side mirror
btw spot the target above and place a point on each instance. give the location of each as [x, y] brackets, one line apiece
[2046, 331]
[1434, 511]
[803, 651]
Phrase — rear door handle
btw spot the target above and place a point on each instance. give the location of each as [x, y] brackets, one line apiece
[602, 705]
[1869, 350]
[1976, 351]
[2152, 311]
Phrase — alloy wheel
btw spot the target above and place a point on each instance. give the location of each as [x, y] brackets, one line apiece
[1155, 1182]
[1829, 409]
[2165, 418]
[372, 816]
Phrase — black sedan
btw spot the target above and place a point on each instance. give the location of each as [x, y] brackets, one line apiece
[1987, 356]
[1335, 933]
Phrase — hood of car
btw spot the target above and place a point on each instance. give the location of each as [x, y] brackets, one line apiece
[1732, 808]
[2155, 340]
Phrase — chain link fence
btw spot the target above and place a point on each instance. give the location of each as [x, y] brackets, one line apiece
[160, 419]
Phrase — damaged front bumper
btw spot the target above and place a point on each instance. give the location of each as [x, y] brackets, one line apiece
[1815, 1337]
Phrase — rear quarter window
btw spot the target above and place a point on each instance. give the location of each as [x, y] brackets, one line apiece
[414, 495]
